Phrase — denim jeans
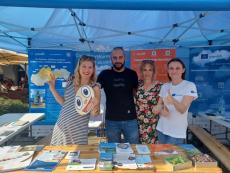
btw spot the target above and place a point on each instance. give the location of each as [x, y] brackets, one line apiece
[128, 128]
[165, 139]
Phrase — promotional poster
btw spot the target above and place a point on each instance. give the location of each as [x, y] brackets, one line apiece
[160, 57]
[43, 63]
[210, 70]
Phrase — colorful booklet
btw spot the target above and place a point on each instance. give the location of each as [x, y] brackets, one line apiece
[123, 148]
[189, 149]
[124, 161]
[46, 161]
[105, 161]
[142, 149]
[32, 148]
[144, 162]
[81, 164]
[72, 155]
[107, 147]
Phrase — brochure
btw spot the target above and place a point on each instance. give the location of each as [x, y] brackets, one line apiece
[123, 148]
[142, 149]
[72, 155]
[46, 161]
[124, 161]
[107, 147]
[15, 160]
[81, 164]
[105, 161]
[190, 149]
[166, 152]
[9, 149]
[32, 148]
[144, 162]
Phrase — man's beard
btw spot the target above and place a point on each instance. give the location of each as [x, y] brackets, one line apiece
[118, 67]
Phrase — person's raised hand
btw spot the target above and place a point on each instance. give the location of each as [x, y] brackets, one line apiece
[169, 98]
[52, 81]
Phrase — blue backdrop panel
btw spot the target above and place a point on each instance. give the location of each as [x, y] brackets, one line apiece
[103, 60]
[210, 70]
[40, 97]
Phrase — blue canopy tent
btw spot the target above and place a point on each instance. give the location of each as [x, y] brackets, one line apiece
[133, 24]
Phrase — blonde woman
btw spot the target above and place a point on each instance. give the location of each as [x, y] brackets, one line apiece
[147, 97]
[72, 128]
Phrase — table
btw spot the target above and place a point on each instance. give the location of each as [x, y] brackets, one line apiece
[91, 151]
[10, 118]
[221, 120]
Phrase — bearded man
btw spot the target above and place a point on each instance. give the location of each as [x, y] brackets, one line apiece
[120, 84]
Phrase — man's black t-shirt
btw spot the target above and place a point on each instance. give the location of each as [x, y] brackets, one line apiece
[118, 87]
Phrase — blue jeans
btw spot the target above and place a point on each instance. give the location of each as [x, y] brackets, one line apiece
[128, 128]
[165, 139]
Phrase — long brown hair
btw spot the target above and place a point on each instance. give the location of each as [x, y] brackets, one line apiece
[77, 70]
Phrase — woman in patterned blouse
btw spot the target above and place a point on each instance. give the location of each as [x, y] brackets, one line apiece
[147, 97]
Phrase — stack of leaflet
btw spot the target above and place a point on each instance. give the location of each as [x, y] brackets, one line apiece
[124, 161]
[107, 147]
[106, 151]
[105, 161]
[124, 157]
[46, 161]
[81, 164]
[76, 163]
[189, 149]
[32, 148]
[11, 159]
[142, 149]
[123, 148]
[143, 159]
[144, 162]
[72, 155]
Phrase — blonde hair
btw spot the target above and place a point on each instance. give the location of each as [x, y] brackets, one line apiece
[77, 71]
[144, 63]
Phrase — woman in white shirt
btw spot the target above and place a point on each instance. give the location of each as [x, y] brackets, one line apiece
[176, 97]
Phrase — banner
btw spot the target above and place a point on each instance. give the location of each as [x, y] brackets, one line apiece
[160, 56]
[41, 64]
[103, 60]
[210, 70]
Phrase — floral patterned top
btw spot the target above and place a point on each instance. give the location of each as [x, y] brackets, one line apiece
[147, 121]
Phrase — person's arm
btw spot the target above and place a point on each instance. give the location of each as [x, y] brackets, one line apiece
[135, 80]
[180, 106]
[96, 101]
[53, 90]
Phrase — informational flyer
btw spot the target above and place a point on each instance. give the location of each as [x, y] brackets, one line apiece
[210, 70]
[42, 64]
[159, 56]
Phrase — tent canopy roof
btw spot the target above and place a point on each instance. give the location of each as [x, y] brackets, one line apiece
[186, 5]
[91, 29]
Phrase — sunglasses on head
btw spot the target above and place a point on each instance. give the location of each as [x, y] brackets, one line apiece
[86, 57]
